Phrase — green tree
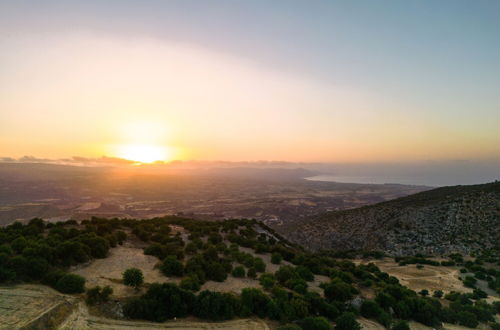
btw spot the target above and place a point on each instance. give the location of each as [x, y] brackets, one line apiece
[401, 325]
[172, 267]
[424, 292]
[315, 323]
[338, 291]
[370, 309]
[251, 273]
[276, 258]
[239, 271]
[133, 277]
[71, 283]
[190, 283]
[259, 265]
[267, 280]
[438, 294]
[467, 319]
[98, 295]
[347, 321]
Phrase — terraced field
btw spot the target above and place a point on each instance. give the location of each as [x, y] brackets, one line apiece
[33, 306]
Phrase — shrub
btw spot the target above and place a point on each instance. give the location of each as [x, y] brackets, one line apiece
[259, 265]
[401, 325]
[276, 258]
[133, 277]
[338, 291]
[467, 319]
[98, 295]
[470, 282]
[289, 327]
[239, 271]
[438, 294]
[252, 273]
[71, 283]
[254, 301]
[216, 306]
[216, 272]
[347, 321]
[424, 292]
[172, 267]
[370, 309]
[190, 283]
[160, 303]
[267, 280]
[315, 323]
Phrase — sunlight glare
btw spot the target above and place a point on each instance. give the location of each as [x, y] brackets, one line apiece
[144, 153]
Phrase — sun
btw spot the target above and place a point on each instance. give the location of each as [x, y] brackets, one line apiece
[144, 153]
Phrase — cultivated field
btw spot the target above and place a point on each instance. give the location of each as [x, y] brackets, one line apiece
[32, 307]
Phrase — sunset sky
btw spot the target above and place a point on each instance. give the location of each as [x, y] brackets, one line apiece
[314, 81]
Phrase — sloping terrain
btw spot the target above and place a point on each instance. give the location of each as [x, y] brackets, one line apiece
[449, 219]
[33, 307]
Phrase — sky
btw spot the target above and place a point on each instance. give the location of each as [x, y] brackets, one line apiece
[308, 81]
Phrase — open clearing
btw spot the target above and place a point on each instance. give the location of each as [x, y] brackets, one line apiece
[430, 277]
[109, 271]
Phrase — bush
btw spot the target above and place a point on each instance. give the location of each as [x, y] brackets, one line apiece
[97, 295]
[401, 325]
[133, 277]
[347, 321]
[172, 267]
[370, 309]
[190, 283]
[160, 303]
[216, 306]
[259, 265]
[338, 291]
[438, 294]
[276, 258]
[252, 273]
[315, 323]
[467, 319]
[289, 327]
[267, 280]
[239, 271]
[254, 301]
[71, 283]
[424, 292]
[470, 282]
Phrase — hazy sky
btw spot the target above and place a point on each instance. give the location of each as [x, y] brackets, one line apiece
[328, 81]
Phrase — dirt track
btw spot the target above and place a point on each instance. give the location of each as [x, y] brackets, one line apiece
[81, 319]
[430, 277]
[32, 306]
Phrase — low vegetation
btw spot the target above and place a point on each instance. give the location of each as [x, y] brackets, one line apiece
[196, 252]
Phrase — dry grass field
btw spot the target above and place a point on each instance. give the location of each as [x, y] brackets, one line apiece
[32, 307]
[109, 271]
[430, 277]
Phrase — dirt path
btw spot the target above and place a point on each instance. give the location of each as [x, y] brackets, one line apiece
[81, 319]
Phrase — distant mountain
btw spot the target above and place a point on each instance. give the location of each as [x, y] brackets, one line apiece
[438, 221]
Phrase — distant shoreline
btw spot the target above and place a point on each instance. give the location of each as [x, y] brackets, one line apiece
[369, 180]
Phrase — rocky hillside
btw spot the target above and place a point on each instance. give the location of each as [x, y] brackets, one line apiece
[449, 219]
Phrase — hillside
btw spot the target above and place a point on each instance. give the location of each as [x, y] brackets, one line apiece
[449, 219]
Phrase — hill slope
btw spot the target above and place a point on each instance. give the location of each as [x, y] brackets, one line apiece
[442, 220]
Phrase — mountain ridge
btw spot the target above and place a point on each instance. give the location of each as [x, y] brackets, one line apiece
[443, 220]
